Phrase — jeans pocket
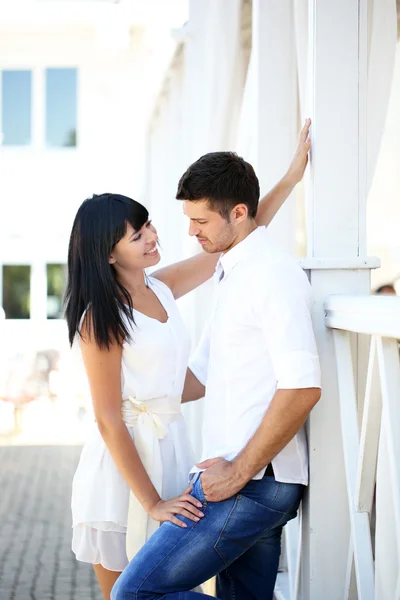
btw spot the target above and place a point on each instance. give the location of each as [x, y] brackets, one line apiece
[245, 524]
[197, 490]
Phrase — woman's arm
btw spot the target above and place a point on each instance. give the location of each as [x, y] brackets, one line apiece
[193, 389]
[184, 276]
[103, 368]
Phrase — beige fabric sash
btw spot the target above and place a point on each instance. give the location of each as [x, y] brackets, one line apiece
[150, 421]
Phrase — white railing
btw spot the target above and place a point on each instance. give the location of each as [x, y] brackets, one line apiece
[369, 399]
[288, 582]
[370, 424]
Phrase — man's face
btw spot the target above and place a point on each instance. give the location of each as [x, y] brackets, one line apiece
[214, 233]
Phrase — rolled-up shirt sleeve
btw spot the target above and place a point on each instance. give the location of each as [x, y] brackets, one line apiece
[284, 311]
[199, 360]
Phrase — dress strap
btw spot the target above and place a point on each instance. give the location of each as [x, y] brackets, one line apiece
[161, 287]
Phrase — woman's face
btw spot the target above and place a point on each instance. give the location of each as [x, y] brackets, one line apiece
[137, 249]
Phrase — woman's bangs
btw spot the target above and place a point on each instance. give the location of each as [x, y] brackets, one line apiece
[125, 211]
[137, 215]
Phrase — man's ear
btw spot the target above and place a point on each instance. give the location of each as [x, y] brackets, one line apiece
[240, 213]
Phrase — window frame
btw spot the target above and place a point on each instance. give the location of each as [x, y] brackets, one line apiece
[38, 281]
[38, 108]
[64, 268]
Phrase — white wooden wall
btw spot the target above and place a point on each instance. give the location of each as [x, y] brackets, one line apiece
[308, 58]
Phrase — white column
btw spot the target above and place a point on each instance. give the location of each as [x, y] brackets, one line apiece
[301, 30]
[336, 209]
[1, 284]
[213, 64]
[164, 164]
[275, 103]
[38, 291]
[38, 107]
[212, 70]
[212, 56]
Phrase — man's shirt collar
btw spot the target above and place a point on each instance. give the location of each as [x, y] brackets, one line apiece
[247, 247]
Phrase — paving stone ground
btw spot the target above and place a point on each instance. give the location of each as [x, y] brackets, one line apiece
[36, 562]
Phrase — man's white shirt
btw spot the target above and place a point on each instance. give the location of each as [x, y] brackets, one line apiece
[258, 339]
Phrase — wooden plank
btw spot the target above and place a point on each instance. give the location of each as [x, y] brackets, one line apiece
[370, 432]
[388, 357]
[360, 530]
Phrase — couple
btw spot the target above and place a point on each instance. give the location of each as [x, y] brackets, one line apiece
[256, 365]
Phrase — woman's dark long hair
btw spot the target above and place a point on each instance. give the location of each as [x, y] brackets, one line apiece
[99, 225]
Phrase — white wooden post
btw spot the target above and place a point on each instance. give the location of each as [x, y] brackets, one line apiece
[1, 284]
[39, 107]
[275, 103]
[212, 52]
[336, 207]
[388, 475]
[212, 55]
[301, 31]
[38, 286]
[360, 549]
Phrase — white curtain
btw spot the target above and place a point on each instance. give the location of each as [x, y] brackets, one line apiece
[381, 59]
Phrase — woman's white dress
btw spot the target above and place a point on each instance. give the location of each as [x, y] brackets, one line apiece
[153, 372]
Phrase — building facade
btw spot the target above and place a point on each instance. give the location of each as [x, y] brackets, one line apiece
[77, 82]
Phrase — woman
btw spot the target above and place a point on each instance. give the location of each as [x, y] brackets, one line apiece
[135, 350]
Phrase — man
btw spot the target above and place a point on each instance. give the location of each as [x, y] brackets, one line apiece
[257, 365]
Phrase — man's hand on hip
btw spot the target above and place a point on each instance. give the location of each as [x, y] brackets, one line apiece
[220, 480]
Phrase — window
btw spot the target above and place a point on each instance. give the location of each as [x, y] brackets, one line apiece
[16, 92]
[56, 282]
[16, 291]
[61, 111]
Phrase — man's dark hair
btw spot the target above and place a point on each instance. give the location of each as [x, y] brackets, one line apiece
[224, 179]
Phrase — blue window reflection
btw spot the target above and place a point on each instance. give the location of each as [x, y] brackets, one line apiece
[16, 107]
[61, 101]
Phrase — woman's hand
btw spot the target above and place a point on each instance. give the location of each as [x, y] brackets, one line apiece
[298, 165]
[185, 505]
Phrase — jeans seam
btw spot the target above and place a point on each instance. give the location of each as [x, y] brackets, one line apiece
[269, 508]
[223, 530]
[278, 487]
[232, 582]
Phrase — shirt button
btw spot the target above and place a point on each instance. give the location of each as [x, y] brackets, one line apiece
[239, 496]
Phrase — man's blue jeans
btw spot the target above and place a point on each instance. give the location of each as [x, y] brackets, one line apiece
[238, 539]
